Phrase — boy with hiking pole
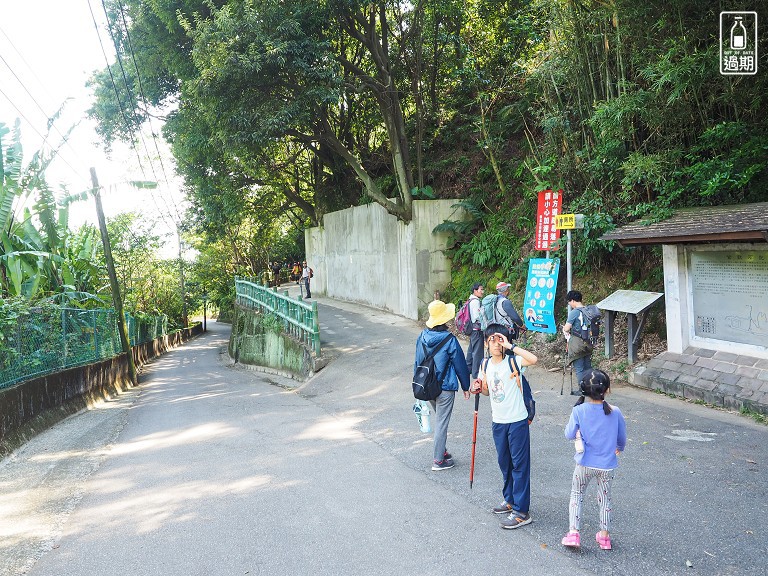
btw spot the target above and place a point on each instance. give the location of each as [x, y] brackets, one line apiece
[511, 413]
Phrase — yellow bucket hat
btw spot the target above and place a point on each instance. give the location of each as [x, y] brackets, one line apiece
[440, 313]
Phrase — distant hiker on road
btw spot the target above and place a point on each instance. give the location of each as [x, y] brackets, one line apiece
[579, 349]
[296, 272]
[500, 379]
[505, 313]
[305, 277]
[603, 434]
[276, 273]
[451, 369]
[476, 340]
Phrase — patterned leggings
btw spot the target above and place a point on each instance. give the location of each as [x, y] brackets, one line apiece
[581, 478]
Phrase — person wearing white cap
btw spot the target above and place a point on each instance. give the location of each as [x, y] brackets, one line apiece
[451, 369]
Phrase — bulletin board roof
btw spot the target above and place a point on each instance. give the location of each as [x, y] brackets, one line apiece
[629, 301]
[744, 222]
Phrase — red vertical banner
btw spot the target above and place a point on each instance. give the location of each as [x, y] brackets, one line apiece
[549, 206]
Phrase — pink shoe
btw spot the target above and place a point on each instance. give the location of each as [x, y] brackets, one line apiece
[572, 540]
[603, 541]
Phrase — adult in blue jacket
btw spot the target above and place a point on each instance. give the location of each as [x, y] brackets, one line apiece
[451, 368]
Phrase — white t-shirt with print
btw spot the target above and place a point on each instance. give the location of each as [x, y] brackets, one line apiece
[507, 405]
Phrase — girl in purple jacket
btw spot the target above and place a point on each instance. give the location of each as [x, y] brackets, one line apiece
[604, 434]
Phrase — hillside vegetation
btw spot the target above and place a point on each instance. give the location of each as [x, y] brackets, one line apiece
[279, 111]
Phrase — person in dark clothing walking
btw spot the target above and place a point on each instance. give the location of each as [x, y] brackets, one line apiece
[476, 341]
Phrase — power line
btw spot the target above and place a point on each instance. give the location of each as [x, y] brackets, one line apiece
[146, 108]
[21, 57]
[132, 99]
[135, 102]
[49, 119]
[44, 138]
[117, 94]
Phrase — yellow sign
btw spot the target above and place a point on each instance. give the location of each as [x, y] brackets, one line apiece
[565, 221]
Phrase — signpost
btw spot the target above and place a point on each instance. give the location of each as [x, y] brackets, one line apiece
[549, 207]
[569, 222]
[539, 302]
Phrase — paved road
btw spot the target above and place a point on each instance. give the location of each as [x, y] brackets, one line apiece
[212, 469]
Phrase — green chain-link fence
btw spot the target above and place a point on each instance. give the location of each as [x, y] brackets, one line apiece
[51, 340]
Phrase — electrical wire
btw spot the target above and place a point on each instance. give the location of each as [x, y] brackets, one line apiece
[64, 139]
[36, 131]
[117, 94]
[146, 110]
[132, 99]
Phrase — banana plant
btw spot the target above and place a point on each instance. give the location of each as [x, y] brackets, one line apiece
[33, 260]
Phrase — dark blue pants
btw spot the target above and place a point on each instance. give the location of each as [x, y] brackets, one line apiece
[513, 448]
[306, 283]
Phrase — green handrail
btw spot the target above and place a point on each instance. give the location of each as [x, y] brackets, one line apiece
[300, 319]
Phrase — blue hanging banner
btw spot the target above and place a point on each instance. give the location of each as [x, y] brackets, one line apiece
[539, 303]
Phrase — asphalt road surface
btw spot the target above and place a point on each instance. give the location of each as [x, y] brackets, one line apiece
[211, 469]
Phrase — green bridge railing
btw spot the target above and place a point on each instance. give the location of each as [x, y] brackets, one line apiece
[299, 318]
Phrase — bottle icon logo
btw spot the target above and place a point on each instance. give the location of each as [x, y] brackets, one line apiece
[738, 43]
[738, 35]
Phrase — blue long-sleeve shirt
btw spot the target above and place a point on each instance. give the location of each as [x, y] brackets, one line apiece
[601, 433]
[450, 364]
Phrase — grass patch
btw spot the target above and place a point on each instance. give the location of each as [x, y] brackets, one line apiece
[756, 416]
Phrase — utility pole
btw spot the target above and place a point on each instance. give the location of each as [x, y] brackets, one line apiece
[205, 303]
[184, 318]
[117, 302]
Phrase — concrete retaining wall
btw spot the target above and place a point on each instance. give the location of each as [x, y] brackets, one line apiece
[33, 405]
[253, 343]
[366, 255]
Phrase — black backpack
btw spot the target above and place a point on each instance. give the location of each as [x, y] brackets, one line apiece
[426, 386]
[590, 326]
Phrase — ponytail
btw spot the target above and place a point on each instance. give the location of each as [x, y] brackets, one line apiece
[595, 384]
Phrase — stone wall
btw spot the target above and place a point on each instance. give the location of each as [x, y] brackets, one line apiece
[723, 379]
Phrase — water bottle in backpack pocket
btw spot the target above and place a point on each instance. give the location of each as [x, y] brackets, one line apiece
[422, 411]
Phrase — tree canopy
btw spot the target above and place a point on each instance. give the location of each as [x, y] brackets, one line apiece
[281, 110]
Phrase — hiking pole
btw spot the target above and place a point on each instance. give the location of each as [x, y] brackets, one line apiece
[565, 359]
[474, 441]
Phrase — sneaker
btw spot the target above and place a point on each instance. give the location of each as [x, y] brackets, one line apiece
[603, 541]
[515, 520]
[447, 455]
[572, 540]
[503, 508]
[443, 464]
